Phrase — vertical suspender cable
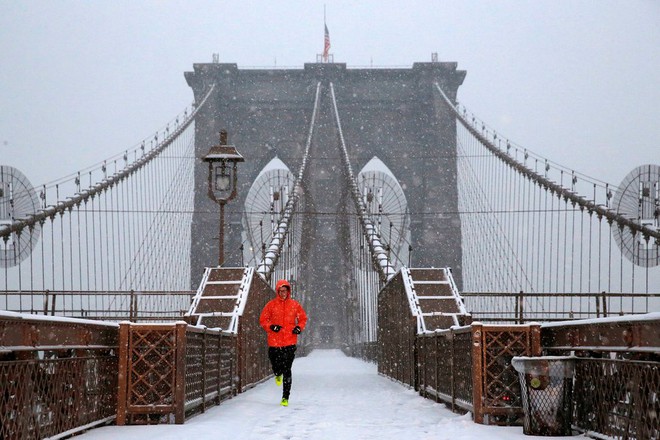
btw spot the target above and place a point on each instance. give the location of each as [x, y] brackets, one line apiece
[551, 214]
[581, 249]
[600, 238]
[16, 256]
[99, 215]
[71, 265]
[52, 252]
[116, 238]
[538, 276]
[591, 222]
[104, 233]
[80, 265]
[565, 246]
[94, 245]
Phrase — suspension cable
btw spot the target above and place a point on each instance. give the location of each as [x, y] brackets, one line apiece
[278, 239]
[61, 206]
[380, 258]
[546, 183]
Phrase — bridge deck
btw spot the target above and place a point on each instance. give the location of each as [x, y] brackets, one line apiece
[333, 397]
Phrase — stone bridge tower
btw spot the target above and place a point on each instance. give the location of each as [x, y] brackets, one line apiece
[394, 114]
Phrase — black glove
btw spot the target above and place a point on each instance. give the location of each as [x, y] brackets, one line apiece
[296, 330]
[274, 327]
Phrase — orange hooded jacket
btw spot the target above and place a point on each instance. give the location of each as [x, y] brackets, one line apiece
[287, 313]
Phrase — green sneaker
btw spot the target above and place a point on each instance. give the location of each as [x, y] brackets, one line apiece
[278, 380]
[285, 402]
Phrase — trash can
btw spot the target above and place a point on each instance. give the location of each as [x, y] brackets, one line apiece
[546, 385]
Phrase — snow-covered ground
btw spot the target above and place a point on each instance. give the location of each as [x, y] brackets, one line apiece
[333, 397]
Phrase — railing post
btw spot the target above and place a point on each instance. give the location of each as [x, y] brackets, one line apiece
[415, 363]
[219, 378]
[521, 307]
[604, 299]
[477, 372]
[122, 380]
[180, 373]
[535, 339]
[203, 391]
[46, 293]
[437, 369]
[133, 307]
[597, 298]
[452, 363]
[240, 364]
[421, 366]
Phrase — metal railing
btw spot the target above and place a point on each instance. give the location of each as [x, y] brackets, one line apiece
[469, 368]
[57, 377]
[445, 367]
[109, 305]
[618, 399]
[521, 307]
[168, 371]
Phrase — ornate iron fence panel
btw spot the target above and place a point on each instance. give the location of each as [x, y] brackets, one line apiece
[171, 371]
[148, 369]
[496, 387]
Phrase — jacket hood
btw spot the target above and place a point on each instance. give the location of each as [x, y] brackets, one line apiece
[281, 283]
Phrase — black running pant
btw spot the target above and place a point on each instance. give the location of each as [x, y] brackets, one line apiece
[281, 358]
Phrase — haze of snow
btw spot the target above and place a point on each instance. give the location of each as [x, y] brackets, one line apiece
[333, 397]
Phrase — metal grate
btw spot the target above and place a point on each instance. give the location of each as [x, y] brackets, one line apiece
[57, 392]
[619, 399]
[444, 365]
[463, 382]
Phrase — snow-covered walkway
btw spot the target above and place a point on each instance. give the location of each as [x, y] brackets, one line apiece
[333, 397]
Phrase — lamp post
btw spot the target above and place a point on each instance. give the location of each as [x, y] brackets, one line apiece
[223, 175]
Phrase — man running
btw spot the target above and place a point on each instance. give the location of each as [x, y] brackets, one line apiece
[284, 319]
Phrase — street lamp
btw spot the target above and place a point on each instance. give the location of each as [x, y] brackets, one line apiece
[223, 175]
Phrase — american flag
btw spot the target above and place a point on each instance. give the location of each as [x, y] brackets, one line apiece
[326, 44]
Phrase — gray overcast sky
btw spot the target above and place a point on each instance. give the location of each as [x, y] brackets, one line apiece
[575, 81]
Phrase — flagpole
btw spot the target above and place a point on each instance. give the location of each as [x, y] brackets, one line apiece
[326, 38]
